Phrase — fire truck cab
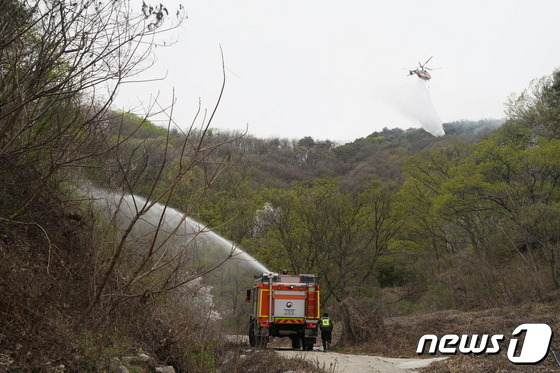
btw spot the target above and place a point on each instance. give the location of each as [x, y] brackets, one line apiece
[284, 306]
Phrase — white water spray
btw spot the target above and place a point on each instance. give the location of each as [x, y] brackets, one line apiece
[167, 234]
[177, 231]
[413, 100]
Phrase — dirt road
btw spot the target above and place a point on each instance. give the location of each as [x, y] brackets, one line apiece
[343, 363]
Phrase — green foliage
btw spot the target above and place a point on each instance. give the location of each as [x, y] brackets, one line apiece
[492, 203]
[95, 352]
[130, 125]
[391, 273]
[204, 360]
[283, 205]
[316, 227]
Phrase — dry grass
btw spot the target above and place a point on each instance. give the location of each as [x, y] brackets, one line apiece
[403, 333]
[47, 272]
[239, 359]
[42, 270]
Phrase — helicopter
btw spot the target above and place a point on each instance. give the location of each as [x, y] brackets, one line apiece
[422, 71]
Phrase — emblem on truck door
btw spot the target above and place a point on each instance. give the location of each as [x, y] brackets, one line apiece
[289, 311]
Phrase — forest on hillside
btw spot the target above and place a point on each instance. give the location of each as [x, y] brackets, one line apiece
[399, 219]
[417, 222]
[464, 221]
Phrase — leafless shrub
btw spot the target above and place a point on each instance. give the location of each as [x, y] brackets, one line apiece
[61, 63]
[269, 361]
[362, 321]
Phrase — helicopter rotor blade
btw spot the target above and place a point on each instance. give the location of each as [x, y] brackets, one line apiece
[428, 60]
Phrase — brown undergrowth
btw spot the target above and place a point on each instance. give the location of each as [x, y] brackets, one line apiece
[237, 358]
[48, 262]
[399, 336]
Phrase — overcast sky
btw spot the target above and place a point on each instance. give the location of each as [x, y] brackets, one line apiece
[336, 69]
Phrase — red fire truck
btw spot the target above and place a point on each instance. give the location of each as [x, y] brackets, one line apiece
[284, 306]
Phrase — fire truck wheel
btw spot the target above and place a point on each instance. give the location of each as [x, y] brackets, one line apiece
[296, 342]
[307, 346]
[252, 340]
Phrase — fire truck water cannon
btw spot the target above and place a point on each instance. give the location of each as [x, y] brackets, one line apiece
[284, 306]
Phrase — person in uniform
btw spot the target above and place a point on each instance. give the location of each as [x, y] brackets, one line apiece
[326, 327]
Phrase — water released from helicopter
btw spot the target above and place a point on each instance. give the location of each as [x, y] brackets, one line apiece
[424, 111]
[413, 99]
